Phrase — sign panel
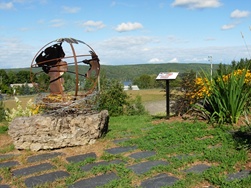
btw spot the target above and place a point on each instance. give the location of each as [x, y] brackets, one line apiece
[167, 76]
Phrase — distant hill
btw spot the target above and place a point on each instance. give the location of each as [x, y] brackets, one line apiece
[129, 72]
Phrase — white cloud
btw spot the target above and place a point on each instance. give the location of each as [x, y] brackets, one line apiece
[155, 60]
[128, 26]
[130, 50]
[129, 41]
[19, 56]
[71, 10]
[197, 4]
[174, 39]
[174, 60]
[145, 49]
[239, 14]
[91, 25]
[228, 26]
[57, 23]
[97, 24]
[6, 6]
[125, 50]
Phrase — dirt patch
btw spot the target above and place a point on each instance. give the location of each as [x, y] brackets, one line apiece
[5, 140]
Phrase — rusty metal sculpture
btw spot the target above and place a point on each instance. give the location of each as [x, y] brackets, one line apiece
[55, 59]
[52, 59]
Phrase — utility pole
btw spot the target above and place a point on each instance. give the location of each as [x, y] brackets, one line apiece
[1, 81]
[210, 60]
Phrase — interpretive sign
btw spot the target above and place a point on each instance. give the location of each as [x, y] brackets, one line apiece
[167, 76]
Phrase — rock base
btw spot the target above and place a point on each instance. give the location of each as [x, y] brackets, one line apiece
[51, 132]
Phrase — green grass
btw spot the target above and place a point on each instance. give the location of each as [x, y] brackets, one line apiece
[148, 95]
[197, 141]
[11, 103]
[3, 129]
[7, 148]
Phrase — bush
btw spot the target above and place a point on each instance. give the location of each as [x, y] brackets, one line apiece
[135, 107]
[114, 99]
[184, 99]
[229, 95]
[2, 111]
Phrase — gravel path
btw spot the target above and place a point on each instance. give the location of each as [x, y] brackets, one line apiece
[156, 107]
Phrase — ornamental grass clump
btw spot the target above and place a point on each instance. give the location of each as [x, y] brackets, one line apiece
[229, 96]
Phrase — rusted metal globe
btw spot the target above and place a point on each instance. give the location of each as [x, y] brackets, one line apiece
[65, 68]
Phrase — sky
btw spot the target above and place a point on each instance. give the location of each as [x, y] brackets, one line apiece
[124, 32]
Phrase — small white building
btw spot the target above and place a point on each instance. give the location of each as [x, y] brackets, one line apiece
[128, 86]
[133, 87]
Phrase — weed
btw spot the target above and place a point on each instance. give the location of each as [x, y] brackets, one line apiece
[75, 170]
[3, 129]
[7, 148]
[6, 173]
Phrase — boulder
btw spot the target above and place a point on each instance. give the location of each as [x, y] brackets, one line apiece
[50, 132]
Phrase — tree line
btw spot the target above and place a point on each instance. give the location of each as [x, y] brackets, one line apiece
[7, 78]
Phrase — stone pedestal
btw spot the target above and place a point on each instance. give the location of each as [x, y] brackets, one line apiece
[51, 132]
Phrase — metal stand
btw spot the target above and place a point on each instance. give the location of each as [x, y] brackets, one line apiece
[167, 76]
[167, 100]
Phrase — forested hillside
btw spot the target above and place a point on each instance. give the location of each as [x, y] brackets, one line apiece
[130, 72]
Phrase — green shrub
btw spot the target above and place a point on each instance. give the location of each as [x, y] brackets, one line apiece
[2, 111]
[114, 99]
[228, 97]
[3, 129]
[135, 107]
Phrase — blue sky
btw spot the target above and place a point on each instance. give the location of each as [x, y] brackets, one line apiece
[128, 31]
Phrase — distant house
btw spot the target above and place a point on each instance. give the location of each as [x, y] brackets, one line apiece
[133, 87]
[128, 86]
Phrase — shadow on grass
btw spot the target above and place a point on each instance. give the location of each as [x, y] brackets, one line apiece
[163, 116]
[243, 139]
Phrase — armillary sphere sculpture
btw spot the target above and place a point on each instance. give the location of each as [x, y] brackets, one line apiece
[65, 58]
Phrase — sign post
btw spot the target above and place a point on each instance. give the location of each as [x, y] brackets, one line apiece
[167, 76]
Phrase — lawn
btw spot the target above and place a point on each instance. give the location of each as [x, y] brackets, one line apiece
[11, 103]
[182, 144]
[148, 95]
[193, 142]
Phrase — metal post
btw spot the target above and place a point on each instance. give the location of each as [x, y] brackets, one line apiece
[167, 100]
